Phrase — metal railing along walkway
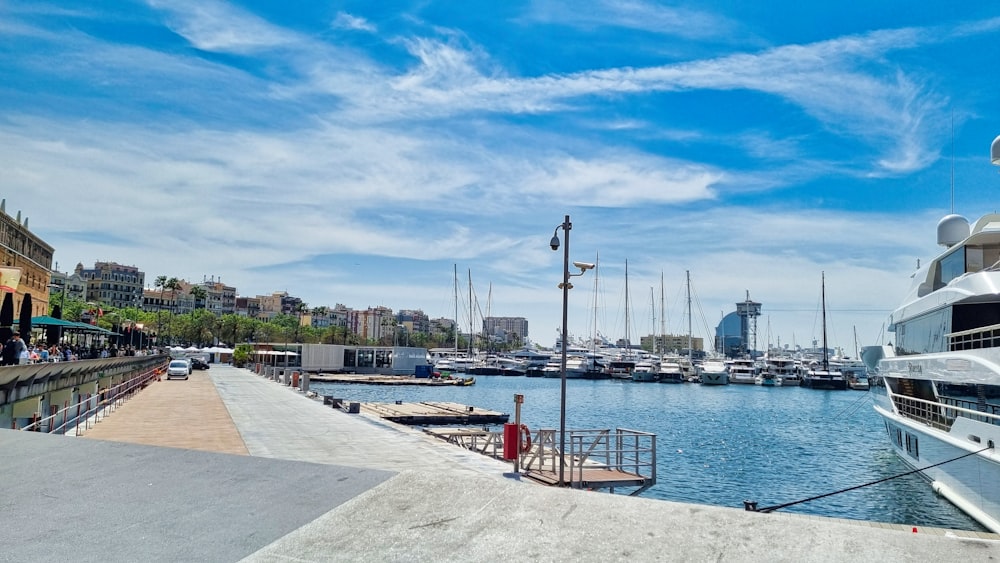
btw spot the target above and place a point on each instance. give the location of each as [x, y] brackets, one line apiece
[90, 410]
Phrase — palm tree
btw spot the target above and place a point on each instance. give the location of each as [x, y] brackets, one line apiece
[173, 284]
[199, 295]
[300, 308]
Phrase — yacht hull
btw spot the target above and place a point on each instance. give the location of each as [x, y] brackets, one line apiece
[971, 483]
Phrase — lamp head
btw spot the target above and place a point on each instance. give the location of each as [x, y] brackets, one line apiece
[554, 243]
[995, 151]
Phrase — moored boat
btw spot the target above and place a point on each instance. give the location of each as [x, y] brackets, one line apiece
[784, 370]
[742, 370]
[942, 377]
[714, 372]
[670, 371]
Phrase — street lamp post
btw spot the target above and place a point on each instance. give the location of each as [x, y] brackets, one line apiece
[566, 226]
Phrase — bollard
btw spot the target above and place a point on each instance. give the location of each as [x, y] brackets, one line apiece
[295, 379]
[304, 382]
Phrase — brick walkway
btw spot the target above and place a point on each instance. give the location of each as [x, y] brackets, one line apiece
[178, 414]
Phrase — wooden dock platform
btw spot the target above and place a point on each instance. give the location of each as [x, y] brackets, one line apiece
[432, 413]
[378, 379]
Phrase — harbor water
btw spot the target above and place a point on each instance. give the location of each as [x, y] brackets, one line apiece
[723, 445]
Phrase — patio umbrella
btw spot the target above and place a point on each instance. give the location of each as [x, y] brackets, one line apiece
[53, 333]
[7, 317]
[24, 321]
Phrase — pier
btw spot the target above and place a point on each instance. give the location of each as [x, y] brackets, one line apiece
[427, 413]
[391, 379]
[319, 484]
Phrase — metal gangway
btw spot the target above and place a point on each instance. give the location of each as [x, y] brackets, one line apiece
[596, 459]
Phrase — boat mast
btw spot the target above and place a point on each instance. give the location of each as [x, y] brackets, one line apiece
[652, 307]
[826, 361]
[663, 319]
[593, 337]
[628, 344]
[456, 309]
[687, 273]
[471, 313]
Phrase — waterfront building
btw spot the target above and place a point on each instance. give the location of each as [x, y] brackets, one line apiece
[248, 307]
[113, 284]
[414, 321]
[74, 285]
[220, 298]
[372, 323]
[176, 301]
[677, 343]
[25, 250]
[509, 330]
[728, 335]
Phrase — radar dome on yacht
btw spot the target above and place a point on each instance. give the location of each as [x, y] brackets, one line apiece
[952, 229]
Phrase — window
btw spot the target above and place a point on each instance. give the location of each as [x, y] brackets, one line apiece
[912, 447]
[950, 267]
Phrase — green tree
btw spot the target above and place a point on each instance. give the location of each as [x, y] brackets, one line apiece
[241, 354]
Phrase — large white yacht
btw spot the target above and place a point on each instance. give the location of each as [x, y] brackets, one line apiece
[714, 371]
[784, 369]
[742, 370]
[941, 399]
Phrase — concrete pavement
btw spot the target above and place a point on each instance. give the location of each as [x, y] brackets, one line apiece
[323, 485]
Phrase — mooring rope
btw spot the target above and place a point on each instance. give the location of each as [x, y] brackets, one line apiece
[751, 506]
[854, 406]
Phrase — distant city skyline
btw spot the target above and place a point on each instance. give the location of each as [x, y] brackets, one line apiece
[360, 152]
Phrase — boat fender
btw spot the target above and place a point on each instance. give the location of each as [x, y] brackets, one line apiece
[525, 439]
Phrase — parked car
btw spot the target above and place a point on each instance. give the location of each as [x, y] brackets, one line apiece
[198, 363]
[178, 369]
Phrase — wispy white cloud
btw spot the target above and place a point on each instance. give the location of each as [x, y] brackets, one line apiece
[212, 25]
[623, 182]
[347, 21]
[632, 14]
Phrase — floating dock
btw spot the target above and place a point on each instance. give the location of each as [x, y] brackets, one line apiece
[432, 413]
[377, 379]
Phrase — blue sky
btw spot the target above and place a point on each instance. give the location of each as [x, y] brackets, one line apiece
[358, 152]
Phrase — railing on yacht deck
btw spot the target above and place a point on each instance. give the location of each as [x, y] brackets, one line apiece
[982, 337]
[941, 414]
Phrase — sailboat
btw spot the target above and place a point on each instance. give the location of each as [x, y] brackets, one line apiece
[623, 365]
[595, 364]
[821, 376]
[673, 367]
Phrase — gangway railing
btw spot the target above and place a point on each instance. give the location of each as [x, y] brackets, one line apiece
[94, 408]
[601, 458]
[597, 459]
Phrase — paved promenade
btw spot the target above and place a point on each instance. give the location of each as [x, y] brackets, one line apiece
[255, 471]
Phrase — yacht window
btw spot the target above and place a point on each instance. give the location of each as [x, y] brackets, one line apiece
[973, 259]
[951, 266]
[991, 255]
[912, 447]
[924, 334]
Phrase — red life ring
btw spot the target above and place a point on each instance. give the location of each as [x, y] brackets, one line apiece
[525, 439]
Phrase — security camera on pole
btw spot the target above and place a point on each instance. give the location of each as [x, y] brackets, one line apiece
[566, 226]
